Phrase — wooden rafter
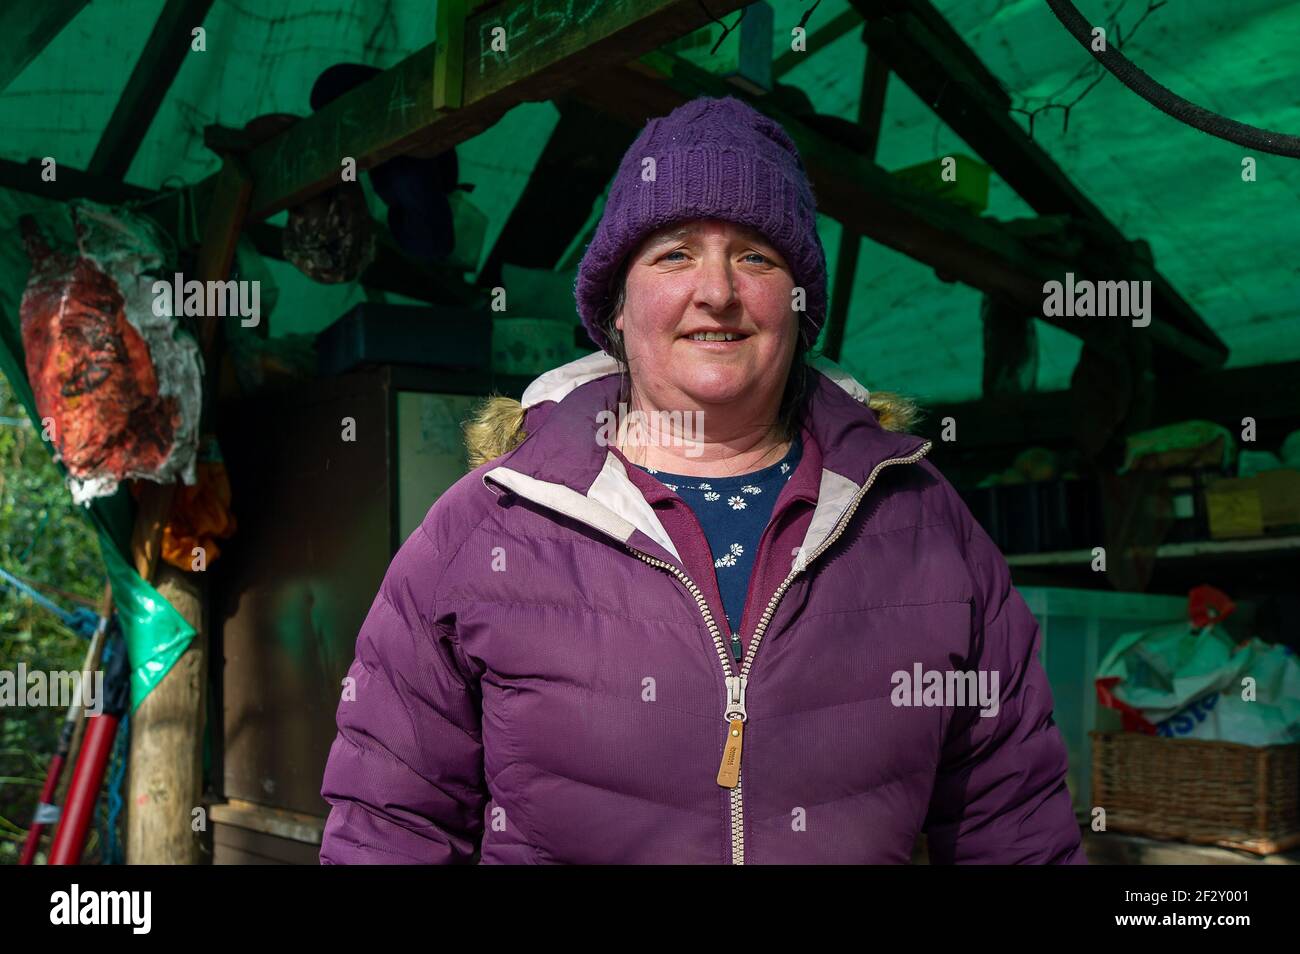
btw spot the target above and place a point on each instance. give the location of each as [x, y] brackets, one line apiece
[816, 41]
[159, 62]
[391, 271]
[933, 59]
[551, 45]
[569, 175]
[1265, 392]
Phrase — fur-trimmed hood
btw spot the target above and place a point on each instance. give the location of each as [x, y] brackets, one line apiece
[498, 424]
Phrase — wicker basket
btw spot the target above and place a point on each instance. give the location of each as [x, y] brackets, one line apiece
[1206, 793]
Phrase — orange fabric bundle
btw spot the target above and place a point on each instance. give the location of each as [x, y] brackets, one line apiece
[200, 515]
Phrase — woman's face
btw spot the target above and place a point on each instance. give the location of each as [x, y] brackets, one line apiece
[709, 275]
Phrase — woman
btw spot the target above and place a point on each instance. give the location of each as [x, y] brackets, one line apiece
[589, 652]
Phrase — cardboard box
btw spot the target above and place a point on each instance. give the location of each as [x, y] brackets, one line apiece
[1252, 506]
[1279, 492]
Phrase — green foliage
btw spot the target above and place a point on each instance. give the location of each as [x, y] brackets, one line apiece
[43, 537]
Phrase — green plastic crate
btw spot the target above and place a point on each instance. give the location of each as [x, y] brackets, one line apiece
[1078, 627]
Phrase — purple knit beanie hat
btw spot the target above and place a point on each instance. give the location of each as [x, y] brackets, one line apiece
[713, 158]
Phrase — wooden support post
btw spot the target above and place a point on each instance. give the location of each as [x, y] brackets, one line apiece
[166, 776]
[449, 56]
[221, 228]
[166, 784]
[846, 270]
[1113, 393]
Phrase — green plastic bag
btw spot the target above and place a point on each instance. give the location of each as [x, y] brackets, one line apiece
[1160, 671]
[156, 635]
[1183, 682]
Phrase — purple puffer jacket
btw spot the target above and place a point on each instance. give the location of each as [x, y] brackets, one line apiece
[542, 677]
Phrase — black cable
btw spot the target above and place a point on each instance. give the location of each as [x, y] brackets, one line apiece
[1167, 101]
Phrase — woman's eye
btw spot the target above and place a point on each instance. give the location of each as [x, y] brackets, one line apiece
[754, 258]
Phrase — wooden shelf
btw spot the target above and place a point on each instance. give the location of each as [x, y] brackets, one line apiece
[294, 826]
[1191, 550]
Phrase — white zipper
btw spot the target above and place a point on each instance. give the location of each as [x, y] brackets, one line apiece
[734, 713]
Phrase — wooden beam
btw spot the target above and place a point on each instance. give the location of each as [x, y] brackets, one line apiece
[27, 29]
[945, 72]
[391, 271]
[154, 72]
[817, 40]
[551, 45]
[71, 184]
[571, 172]
[962, 61]
[1266, 392]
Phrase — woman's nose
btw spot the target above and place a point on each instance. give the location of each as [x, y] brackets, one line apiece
[715, 289]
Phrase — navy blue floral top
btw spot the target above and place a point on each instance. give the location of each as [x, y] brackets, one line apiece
[733, 512]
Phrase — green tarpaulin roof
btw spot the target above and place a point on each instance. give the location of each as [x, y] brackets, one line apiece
[1227, 245]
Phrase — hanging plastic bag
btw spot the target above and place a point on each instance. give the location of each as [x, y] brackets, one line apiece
[330, 238]
[120, 388]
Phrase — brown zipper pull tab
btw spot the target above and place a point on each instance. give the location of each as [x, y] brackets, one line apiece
[735, 715]
[729, 771]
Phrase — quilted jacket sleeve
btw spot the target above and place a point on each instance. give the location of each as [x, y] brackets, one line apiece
[404, 777]
[1001, 796]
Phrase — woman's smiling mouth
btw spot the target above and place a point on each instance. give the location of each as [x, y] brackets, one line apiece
[716, 340]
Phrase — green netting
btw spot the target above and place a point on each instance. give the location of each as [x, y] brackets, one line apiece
[1227, 245]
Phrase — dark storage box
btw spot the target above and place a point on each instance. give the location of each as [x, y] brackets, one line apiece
[1039, 517]
[431, 336]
